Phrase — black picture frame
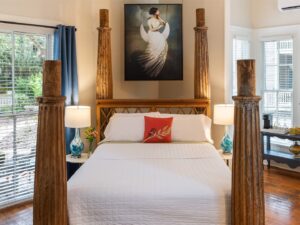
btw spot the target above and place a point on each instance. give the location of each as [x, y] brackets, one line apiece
[146, 61]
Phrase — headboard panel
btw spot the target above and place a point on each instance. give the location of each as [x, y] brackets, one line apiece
[105, 108]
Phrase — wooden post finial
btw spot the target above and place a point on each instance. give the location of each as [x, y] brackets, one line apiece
[246, 77]
[201, 70]
[104, 82]
[200, 17]
[104, 18]
[51, 78]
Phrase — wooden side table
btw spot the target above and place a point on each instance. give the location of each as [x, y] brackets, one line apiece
[227, 157]
[73, 164]
[278, 156]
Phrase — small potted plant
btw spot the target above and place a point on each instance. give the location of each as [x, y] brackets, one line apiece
[90, 135]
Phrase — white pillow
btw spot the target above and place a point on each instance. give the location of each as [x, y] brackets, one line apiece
[127, 126]
[190, 128]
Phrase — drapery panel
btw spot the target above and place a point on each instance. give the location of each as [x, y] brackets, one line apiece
[65, 50]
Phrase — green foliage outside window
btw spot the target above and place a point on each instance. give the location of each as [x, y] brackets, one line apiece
[27, 89]
[21, 59]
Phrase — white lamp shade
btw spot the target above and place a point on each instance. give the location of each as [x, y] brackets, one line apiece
[77, 116]
[224, 114]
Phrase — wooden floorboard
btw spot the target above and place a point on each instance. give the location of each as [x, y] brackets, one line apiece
[282, 197]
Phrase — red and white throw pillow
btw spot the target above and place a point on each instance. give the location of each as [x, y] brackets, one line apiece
[158, 130]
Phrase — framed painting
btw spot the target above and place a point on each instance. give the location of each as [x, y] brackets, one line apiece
[153, 42]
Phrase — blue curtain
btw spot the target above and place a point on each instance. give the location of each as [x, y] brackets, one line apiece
[65, 50]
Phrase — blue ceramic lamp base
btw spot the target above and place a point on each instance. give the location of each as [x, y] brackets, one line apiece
[76, 145]
[227, 144]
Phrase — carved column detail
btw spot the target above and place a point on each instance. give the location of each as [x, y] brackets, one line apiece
[104, 89]
[50, 185]
[247, 170]
[201, 83]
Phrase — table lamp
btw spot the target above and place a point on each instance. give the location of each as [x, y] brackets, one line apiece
[223, 115]
[77, 117]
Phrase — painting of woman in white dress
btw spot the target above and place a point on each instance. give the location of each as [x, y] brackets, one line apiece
[153, 42]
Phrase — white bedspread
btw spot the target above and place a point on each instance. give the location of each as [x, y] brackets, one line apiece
[151, 184]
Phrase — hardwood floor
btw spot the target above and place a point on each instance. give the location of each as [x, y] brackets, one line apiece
[282, 197]
[282, 200]
[19, 215]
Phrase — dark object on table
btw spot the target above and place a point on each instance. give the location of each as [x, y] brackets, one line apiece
[295, 149]
[278, 156]
[268, 121]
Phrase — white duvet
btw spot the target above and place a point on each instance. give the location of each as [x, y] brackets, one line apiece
[151, 184]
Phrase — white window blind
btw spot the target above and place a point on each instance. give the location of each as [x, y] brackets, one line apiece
[241, 50]
[21, 59]
[278, 81]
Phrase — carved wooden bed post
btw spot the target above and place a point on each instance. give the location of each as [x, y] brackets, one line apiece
[104, 82]
[201, 83]
[247, 172]
[104, 66]
[50, 184]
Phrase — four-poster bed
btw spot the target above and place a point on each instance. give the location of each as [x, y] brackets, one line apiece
[247, 192]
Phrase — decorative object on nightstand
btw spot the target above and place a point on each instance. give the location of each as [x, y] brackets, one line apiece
[223, 115]
[90, 135]
[77, 117]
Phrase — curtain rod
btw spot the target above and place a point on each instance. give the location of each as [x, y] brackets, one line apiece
[30, 24]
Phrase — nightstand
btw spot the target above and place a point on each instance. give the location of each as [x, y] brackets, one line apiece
[227, 157]
[81, 160]
[73, 164]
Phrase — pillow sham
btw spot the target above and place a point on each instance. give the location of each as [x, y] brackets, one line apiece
[127, 127]
[190, 128]
[157, 130]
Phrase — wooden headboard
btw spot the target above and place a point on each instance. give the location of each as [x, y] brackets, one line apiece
[105, 108]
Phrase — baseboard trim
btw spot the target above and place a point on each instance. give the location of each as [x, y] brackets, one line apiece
[17, 205]
[284, 171]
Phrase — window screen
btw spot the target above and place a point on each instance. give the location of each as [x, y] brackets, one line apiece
[21, 59]
[278, 81]
[241, 50]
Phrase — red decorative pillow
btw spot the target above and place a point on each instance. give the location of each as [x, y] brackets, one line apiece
[157, 130]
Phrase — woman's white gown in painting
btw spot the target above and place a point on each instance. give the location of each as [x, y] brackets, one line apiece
[153, 59]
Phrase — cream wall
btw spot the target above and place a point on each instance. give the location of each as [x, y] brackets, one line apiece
[265, 13]
[84, 14]
[241, 13]
[39, 9]
[260, 14]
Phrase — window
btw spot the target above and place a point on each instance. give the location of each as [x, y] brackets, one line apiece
[278, 81]
[241, 50]
[21, 59]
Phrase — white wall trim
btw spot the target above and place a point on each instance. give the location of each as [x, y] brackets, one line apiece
[22, 19]
[21, 28]
[241, 30]
[242, 33]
